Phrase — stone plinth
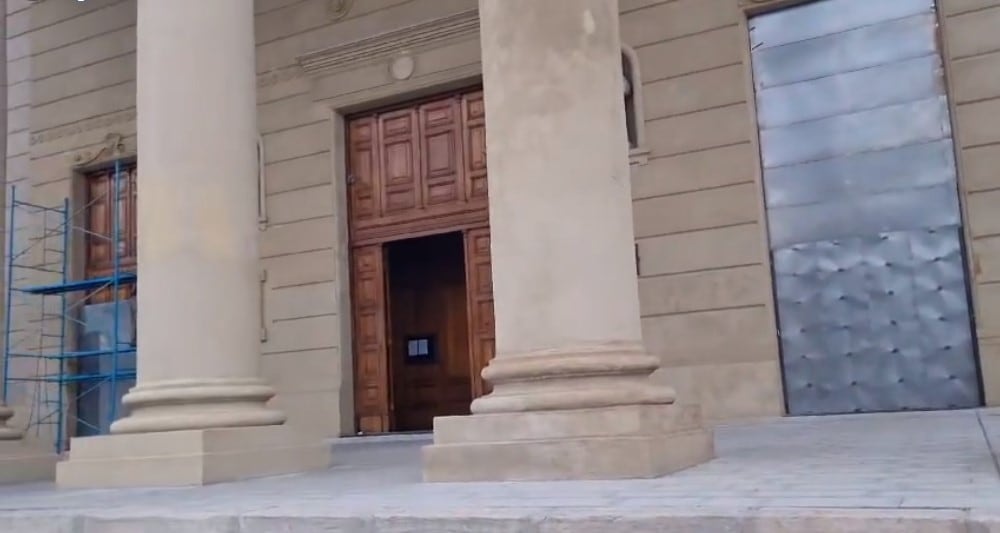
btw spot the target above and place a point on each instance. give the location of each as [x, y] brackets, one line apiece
[633, 441]
[21, 462]
[193, 457]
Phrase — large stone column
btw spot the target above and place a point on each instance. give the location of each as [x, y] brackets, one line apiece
[571, 397]
[198, 413]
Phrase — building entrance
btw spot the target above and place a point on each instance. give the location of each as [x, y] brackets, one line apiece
[421, 284]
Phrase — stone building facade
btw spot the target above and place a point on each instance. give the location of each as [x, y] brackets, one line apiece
[780, 154]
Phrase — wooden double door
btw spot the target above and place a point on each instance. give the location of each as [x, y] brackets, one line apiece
[421, 283]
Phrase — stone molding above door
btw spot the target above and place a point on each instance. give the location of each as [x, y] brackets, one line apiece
[428, 55]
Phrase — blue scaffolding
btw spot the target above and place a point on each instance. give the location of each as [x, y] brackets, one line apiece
[46, 365]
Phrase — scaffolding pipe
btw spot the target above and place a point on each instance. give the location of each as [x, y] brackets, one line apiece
[3, 183]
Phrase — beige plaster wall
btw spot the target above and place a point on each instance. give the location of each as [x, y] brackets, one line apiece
[703, 265]
[972, 46]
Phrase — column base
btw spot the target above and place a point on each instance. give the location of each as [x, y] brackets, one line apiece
[189, 457]
[24, 463]
[632, 441]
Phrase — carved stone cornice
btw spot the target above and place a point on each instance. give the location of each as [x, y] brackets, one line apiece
[105, 121]
[379, 47]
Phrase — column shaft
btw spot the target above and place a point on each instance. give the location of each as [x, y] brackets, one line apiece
[565, 289]
[198, 330]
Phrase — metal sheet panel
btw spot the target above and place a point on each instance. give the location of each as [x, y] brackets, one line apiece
[906, 167]
[858, 49]
[817, 19]
[876, 129]
[862, 205]
[864, 214]
[893, 83]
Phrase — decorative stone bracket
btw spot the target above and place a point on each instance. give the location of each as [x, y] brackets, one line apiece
[113, 147]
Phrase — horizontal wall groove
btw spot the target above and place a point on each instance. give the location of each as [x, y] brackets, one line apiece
[973, 101]
[265, 351]
[290, 128]
[654, 157]
[303, 317]
[279, 8]
[705, 310]
[651, 81]
[280, 98]
[989, 235]
[37, 105]
[977, 54]
[298, 189]
[63, 21]
[698, 271]
[695, 270]
[296, 221]
[696, 111]
[298, 252]
[640, 8]
[747, 181]
[84, 66]
[287, 159]
[983, 190]
[980, 145]
[302, 284]
[969, 11]
[108, 31]
[710, 228]
[297, 350]
[686, 35]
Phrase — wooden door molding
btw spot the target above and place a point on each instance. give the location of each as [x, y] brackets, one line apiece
[372, 385]
[479, 291]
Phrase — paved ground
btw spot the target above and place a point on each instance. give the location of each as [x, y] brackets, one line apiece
[913, 473]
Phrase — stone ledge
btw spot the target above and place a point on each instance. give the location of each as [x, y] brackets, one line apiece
[704, 520]
[195, 457]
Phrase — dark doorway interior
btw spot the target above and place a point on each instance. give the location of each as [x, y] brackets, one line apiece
[428, 329]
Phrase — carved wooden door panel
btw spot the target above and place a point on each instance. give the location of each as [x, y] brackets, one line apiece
[400, 161]
[474, 144]
[363, 197]
[479, 287]
[372, 386]
[440, 132]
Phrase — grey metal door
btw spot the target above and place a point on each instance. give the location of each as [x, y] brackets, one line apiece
[862, 207]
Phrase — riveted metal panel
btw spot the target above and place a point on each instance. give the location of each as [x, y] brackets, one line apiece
[863, 211]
